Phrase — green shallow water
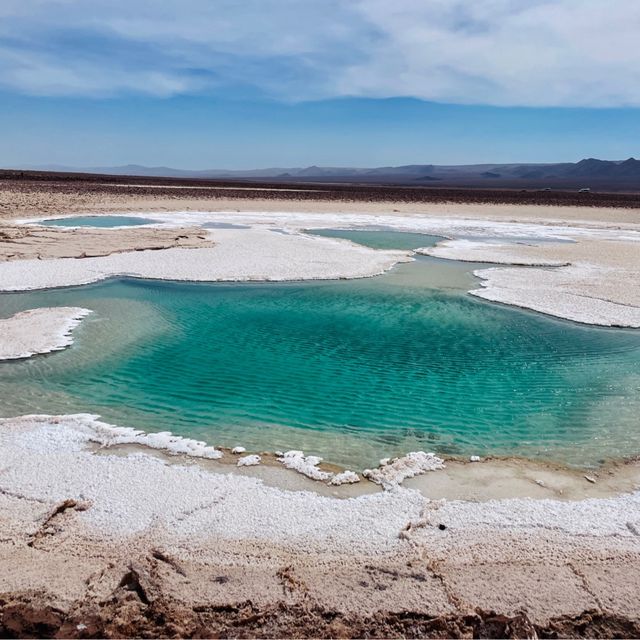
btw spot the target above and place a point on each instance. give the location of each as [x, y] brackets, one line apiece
[380, 238]
[350, 370]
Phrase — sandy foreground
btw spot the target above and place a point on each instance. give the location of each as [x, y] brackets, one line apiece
[107, 534]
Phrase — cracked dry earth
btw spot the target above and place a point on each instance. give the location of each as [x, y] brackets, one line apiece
[23, 243]
[59, 580]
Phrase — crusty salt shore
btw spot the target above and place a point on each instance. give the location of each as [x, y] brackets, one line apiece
[594, 280]
[255, 254]
[143, 552]
[38, 331]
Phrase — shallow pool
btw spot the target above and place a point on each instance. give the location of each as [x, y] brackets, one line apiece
[351, 370]
[380, 238]
[98, 221]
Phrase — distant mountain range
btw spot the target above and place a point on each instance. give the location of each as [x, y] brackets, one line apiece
[600, 172]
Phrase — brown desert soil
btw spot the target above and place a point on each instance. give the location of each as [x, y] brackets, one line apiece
[25, 193]
[22, 243]
[154, 592]
[128, 613]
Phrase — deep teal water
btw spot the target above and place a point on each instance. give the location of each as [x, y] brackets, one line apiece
[350, 370]
[97, 221]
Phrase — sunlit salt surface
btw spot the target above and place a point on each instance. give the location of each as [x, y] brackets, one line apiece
[97, 221]
[350, 370]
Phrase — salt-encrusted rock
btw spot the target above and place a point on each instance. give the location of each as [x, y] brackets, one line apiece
[390, 475]
[346, 477]
[249, 461]
[306, 465]
[238, 450]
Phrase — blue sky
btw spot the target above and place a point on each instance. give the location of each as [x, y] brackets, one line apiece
[230, 84]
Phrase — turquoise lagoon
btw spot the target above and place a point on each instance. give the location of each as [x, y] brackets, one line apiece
[380, 238]
[97, 221]
[350, 370]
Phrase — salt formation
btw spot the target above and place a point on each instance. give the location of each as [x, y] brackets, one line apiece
[306, 465]
[108, 435]
[391, 474]
[346, 477]
[249, 461]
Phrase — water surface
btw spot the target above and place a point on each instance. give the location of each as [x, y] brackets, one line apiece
[351, 370]
[380, 238]
[98, 221]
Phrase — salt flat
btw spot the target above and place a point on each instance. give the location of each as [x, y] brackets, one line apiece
[195, 535]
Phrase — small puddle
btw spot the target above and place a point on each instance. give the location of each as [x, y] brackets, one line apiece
[101, 222]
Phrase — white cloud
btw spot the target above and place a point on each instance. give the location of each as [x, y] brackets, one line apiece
[499, 52]
[534, 53]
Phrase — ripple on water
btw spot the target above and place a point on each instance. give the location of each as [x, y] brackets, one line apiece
[352, 370]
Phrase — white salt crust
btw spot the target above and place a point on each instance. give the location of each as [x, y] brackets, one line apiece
[391, 473]
[345, 477]
[306, 465]
[48, 459]
[566, 290]
[238, 255]
[38, 331]
[107, 435]
[552, 293]
[475, 251]
[249, 461]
